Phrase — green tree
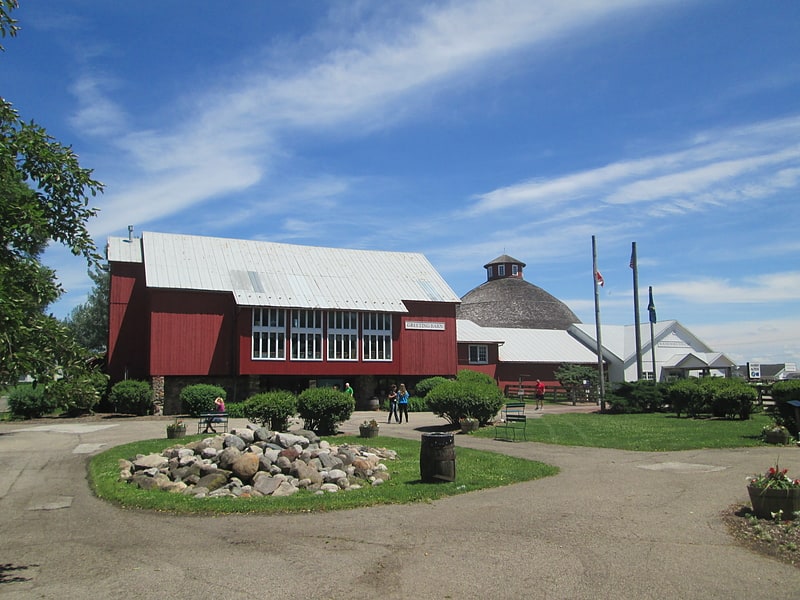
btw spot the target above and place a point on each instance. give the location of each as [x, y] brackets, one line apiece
[572, 376]
[88, 322]
[44, 196]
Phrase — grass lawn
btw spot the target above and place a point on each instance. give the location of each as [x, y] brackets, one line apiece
[475, 470]
[654, 432]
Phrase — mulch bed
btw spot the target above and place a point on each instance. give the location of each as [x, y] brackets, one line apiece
[777, 539]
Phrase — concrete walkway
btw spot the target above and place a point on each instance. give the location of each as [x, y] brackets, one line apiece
[613, 524]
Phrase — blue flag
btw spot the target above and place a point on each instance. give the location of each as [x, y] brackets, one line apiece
[651, 307]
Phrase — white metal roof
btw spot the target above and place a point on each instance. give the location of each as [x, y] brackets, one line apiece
[528, 345]
[286, 275]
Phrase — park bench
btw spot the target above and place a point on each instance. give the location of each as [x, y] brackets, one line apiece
[213, 420]
[513, 421]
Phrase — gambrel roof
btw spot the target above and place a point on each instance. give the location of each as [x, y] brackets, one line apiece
[285, 275]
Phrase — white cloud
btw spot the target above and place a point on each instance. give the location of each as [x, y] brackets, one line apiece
[764, 289]
[232, 136]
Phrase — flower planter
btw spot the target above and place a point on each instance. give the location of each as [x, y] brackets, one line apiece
[768, 501]
[777, 436]
[469, 426]
[368, 432]
[175, 432]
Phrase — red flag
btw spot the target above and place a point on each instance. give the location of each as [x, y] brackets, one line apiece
[599, 278]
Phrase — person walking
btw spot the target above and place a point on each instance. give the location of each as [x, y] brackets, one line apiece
[539, 395]
[393, 404]
[402, 402]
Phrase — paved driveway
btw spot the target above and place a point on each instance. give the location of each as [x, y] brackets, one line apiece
[612, 524]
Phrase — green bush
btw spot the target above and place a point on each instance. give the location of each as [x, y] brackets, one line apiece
[782, 392]
[79, 393]
[417, 404]
[685, 395]
[272, 409]
[426, 385]
[199, 398]
[469, 377]
[28, 401]
[455, 399]
[636, 397]
[322, 409]
[235, 410]
[728, 398]
[131, 397]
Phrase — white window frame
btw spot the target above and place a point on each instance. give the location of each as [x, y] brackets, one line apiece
[489, 271]
[501, 270]
[305, 339]
[514, 270]
[342, 336]
[377, 337]
[268, 334]
[478, 354]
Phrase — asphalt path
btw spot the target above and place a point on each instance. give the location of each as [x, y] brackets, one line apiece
[613, 524]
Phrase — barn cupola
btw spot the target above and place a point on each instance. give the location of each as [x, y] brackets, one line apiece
[504, 267]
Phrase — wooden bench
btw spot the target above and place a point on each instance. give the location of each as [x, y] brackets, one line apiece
[214, 420]
[513, 421]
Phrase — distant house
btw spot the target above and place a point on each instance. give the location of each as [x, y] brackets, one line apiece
[252, 316]
[678, 352]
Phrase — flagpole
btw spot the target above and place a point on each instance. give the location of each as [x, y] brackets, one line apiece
[597, 327]
[635, 266]
[651, 309]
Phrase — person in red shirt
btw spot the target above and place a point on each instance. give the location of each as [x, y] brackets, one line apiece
[539, 395]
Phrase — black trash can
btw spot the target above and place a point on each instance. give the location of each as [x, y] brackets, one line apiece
[437, 457]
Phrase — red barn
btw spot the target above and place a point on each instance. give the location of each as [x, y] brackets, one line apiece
[253, 316]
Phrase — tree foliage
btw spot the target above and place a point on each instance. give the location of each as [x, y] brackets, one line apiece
[44, 197]
[88, 322]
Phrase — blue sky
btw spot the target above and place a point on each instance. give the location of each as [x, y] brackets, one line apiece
[461, 130]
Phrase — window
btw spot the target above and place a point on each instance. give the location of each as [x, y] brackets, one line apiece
[269, 333]
[515, 270]
[478, 354]
[647, 375]
[501, 270]
[343, 336]
[377, 336]
[489, 271]
[306, 335]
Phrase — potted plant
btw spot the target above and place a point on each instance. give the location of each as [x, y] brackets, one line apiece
[176, 429]
[468, 424]
[369, 429]
[774, 494]
[775, 434]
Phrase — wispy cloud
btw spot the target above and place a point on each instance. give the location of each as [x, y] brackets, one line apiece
[231, 137]
[736, 165]
[765, 289]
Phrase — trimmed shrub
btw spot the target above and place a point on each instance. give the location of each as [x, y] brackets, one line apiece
[417, 404]
[426, 385]
[475, 378]
[235, 410]
[28, 401]
[636, 397]
[685, 395]
[322, 409]
[728, 398]
[782, 392]
[78, 394]
[272, 409]
[455, 399]
[199, 398]
[131, 397]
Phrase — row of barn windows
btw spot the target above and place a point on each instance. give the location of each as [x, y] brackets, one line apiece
[305, 331]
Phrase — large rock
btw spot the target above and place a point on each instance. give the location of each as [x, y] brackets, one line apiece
[150, 461]
[245, 466]
[213, 481]
[227, 457]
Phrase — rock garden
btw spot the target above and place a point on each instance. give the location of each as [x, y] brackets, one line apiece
[255, 462]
